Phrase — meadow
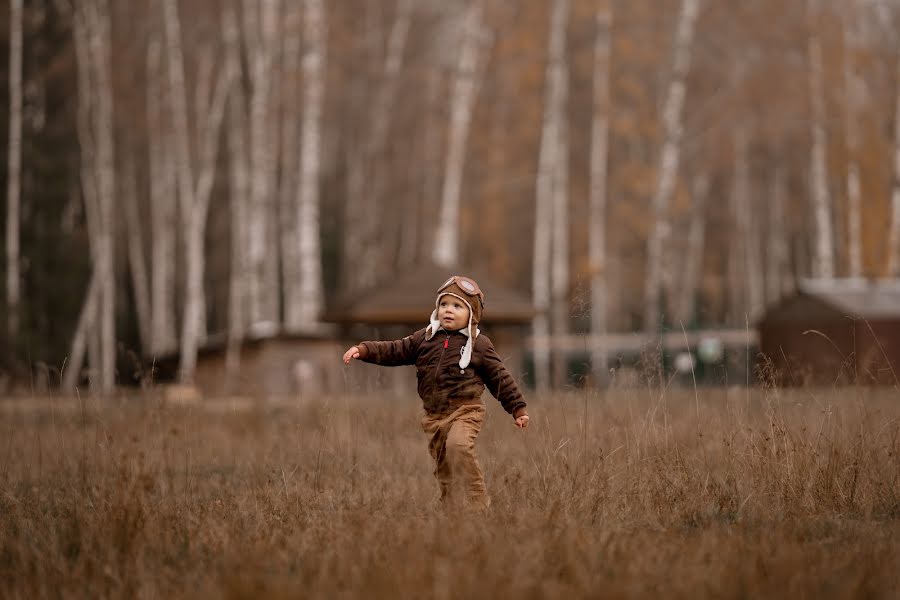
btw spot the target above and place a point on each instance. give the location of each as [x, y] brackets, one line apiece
[645, 492]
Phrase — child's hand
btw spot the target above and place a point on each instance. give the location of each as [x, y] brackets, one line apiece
[522, 422]
[350, 354]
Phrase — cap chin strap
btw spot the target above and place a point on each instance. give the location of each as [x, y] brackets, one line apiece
[435, 326]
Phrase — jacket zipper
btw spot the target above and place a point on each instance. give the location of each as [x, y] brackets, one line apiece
[440, 362]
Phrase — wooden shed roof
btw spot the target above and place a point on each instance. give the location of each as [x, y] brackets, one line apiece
[858, 298]
[408, 298]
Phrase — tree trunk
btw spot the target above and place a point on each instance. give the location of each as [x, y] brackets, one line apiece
[823, 266]
[292, 49]
[559, 273]
[14, 170]
[747, 238]
[598, 197]
[309, 250]
[73, 368]
[669, 160]
[693, 262]
[238, 195]
[893, 258]
[465, 89]
[260, 26]
[548, 172]
[778, 249]
[163, 194]
[194, 194]
[91, 31]
[136, 259]
[854, 89]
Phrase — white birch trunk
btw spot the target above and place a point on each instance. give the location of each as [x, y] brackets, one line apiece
[548, 165]
[669, 160]
[136, 259]
[598, 187]
[260, 26]
[893, 258]
[72, 370]
[309, 251]
[163, 193]
[194, 194]
[823, 264]
[238, 195]
[292, 47]
[777, 249]
[465, 89]
[854, 89]
[559, 270]
[14, 170]
[747, 239]
[693, 262]
[366, 178]
[91, 31]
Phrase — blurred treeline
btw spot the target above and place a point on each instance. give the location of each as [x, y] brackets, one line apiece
[345, 127]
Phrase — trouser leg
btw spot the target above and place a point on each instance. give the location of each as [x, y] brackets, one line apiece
[452, 446]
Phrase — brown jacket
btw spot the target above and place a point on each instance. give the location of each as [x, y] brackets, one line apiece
[442, 385]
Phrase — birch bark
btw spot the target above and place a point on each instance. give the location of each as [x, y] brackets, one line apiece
[465, 90]
[194, 193]
[893, 258]
[91, 32]
[309, 250]
[163, 193]
[548, 165]
[14, 170]
[690, 279]
[598, 187]
[669, 159]
[823, 264]
[854, 88]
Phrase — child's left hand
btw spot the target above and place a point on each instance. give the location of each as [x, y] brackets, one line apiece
[522, 422]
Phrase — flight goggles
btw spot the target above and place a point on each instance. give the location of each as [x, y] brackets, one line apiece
[465, 284]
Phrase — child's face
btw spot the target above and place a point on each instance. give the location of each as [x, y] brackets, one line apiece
[453, 313]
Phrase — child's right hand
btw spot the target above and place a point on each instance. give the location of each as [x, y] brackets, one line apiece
[350, 354]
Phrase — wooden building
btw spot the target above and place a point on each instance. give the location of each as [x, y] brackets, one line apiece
[279, 364]
[833, 332]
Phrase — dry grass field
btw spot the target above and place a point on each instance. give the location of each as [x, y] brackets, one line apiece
[633, 493]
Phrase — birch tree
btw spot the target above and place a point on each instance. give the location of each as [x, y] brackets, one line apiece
[238, 194]
[778, 247]
[364, 202]
[194, 194]
[669, 159]
[823, 263]
[893, 258]
[465, 88]
[91, 32]
[260, 32]
[598, 187]
[548, 165]
[746, 238]
[854, 89]
[696, 243]
[14, 169]
[559, 271]
[309, 300]
[163, 198]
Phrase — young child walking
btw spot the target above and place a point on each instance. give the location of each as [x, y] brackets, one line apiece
[454, 363]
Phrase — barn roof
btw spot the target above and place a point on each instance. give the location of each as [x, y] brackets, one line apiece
[859, 298]
[408, 298]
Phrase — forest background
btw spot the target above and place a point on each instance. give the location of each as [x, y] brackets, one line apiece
[181, 168]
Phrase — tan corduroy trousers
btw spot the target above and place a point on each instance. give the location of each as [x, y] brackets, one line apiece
[452, 446]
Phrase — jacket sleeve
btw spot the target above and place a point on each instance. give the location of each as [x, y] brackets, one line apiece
[500, 382]
[392, 353]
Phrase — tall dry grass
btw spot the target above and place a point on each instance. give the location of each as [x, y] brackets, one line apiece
[726, 494]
